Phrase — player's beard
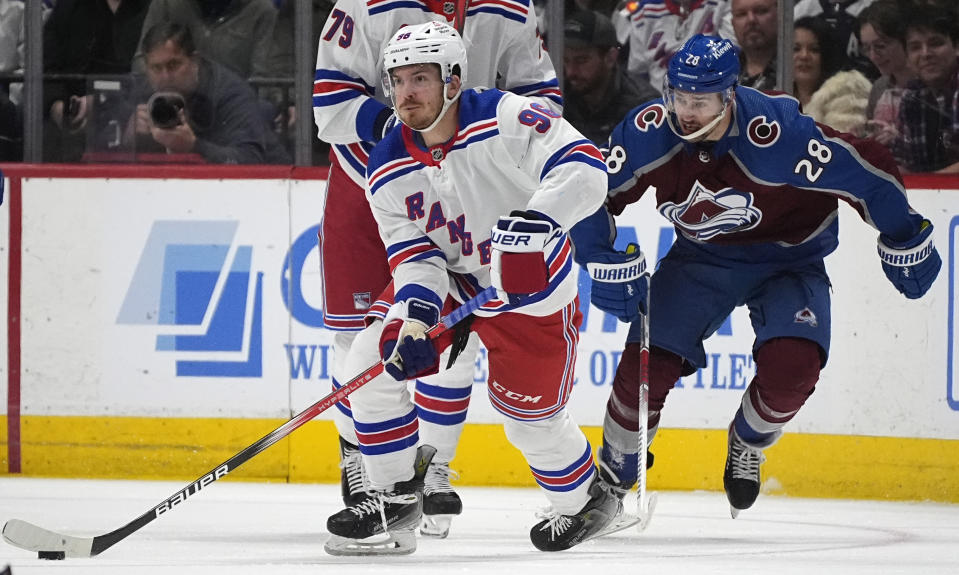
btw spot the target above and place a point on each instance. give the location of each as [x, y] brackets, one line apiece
[420, 117]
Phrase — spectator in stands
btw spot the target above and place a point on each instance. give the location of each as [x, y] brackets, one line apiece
[198, 105]
[929, 111]
[11, 62]
[598, 92]
[281, 64]
[235, 33]
[841, 101]
[839, 16]
[660, 27]
[812, 63]
[83, 37]
[882, 32]
[756, 27]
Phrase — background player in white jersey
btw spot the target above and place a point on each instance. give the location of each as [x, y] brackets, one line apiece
[476, 188]
[751, 186]
[659, 27]
[352, 115]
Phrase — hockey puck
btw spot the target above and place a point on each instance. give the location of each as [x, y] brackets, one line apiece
[51, 554]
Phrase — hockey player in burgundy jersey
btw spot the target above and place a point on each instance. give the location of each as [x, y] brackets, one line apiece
[475, 189]
[353, 115]
[752, 188]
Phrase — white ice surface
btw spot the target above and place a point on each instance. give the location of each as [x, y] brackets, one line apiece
[244, 528]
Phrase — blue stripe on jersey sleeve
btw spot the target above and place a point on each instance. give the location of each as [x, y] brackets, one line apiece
[366, 118]
[480, 106]
[535, 89]
[499, 12]
[388, 6]
[566, 155]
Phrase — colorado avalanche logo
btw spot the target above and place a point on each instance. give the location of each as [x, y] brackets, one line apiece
[651, 117]
[805, 315]
[762, 132]
[705, 215]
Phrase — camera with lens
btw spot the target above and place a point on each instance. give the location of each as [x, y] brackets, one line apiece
[165, 109]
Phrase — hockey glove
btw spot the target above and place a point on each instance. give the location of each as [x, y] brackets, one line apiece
[406, 351]
[620, 283]
[912, 265]
[520, 244]
[384, 122]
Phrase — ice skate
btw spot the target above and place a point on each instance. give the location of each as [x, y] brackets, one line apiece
[557, 532]
[353, 480]
[384, 522]
[741, 478]
[440, 502]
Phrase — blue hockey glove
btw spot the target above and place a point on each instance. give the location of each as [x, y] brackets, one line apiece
[406, 351]
[912, 265]
[620, 282]
[385, 121]
[520, 245]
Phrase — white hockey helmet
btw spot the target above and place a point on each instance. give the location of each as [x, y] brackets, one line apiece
[430, 43]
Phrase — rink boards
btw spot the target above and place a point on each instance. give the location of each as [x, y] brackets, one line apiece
[160, 319]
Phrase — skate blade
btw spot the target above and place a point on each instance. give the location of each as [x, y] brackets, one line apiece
[620, 522]
[393, 543]
[437, 526]
[734, 512]
[646, 516]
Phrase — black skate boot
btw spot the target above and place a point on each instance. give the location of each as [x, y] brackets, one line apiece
[382, 523]
[558, 532]
[353, 480]
[440, 502]
[741, 478]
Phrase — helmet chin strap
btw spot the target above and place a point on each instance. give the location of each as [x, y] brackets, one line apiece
[702, 132]
[446, 106]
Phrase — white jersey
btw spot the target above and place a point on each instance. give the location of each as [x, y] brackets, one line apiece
[658, 28]
[436, 208]
[503, 51]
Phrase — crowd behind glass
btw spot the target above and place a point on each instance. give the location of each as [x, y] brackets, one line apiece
[212, 81]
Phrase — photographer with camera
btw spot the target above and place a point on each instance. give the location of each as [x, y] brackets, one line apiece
[193, 105]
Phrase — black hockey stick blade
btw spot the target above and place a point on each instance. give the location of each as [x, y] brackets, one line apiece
[26, 535]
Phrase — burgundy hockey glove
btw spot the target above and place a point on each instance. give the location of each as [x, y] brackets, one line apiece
[406, 351]
[913, 265]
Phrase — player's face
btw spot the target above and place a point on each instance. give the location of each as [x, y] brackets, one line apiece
[807, 58]
[932, 55]
[755, 24]
[693, 111]
[885, 52]
[418, 94]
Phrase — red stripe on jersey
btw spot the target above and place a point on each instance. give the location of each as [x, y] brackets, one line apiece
[566, 479]
[442, 405]
[389, 435]
[329, 87]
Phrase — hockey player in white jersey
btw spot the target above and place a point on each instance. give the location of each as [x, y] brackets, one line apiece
[659, 27]
[352, 114]
[476, 188]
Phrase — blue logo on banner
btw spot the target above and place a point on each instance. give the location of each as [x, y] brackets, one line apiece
[194, 282]
[952, 361]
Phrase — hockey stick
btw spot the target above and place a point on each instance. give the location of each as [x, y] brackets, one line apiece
[459, 15]
[645, 502]
[52, 545]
